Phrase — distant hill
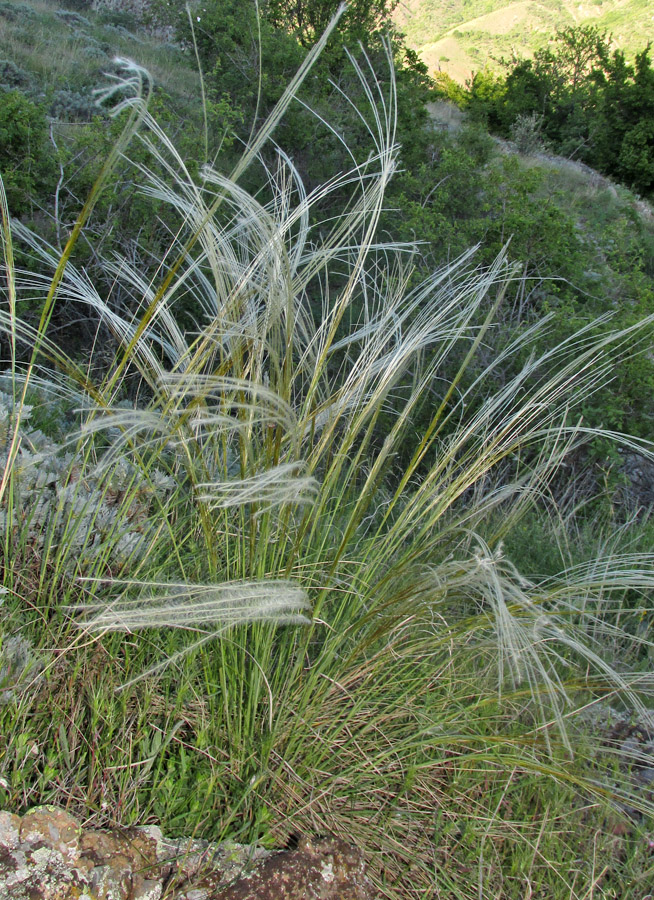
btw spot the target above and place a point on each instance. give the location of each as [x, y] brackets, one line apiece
[463, 36]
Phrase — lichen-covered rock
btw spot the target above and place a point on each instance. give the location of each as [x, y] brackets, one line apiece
[51, 827]
[39, 873]
[325, 869]
[198, 869]
[9, 831]
[47, 855]
[52, 491]
[123, 864]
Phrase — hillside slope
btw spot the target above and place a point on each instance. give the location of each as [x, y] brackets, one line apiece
[463, 36]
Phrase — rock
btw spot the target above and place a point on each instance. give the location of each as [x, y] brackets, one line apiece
[47, 855]
[199, 869]
[112, 882]
[49, 826]
[40, 874]
[638, 490]
[148, 890]
[9, 830]
[325, 869]
[147, 842]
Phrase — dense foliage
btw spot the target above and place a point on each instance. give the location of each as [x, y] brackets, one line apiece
[584, 98]
[27, 160]
[248, 56]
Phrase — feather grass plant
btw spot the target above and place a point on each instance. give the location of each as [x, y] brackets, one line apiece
[418, 659]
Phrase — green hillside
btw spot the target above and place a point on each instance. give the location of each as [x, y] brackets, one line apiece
[464, 36]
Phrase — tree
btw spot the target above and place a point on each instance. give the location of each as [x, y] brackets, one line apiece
[485, 98]
[249, 53]
[307, 19]
[623, 127]
[590, 103]
[558, 84]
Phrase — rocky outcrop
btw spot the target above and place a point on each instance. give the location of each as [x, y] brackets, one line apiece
[638, 491]
[47, 855]
[316, 870]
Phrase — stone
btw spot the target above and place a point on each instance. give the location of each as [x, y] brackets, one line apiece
[112, 881]
[39, 874]
[124, 863]
[148, 890]
[146, 841]
[322, 869]
[145, 844]
[46, 855]
[9, 830]
[49, 826]
[101, 846]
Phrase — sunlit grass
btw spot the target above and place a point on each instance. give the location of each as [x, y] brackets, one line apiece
[69, 57]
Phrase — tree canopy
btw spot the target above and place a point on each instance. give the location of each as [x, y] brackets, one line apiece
[590, 103]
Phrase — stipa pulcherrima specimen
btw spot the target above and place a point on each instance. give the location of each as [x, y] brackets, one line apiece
[288, 504]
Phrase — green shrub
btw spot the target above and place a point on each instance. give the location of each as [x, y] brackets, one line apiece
[526, 133]
[27, 160]
[17, 12]
[73, 106]
[11, 76]
[121, 18]
[74, 19]
[590, 103]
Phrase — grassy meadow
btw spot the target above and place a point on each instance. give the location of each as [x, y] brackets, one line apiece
[305, 528]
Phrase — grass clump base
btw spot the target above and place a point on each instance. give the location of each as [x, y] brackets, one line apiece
[262, 462]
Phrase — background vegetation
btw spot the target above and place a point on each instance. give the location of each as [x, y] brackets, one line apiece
[461, 37]
[582, 100]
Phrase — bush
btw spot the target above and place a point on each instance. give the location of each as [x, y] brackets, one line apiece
[17, 12]
[27, 162]
[526, 133]
[74, 19]
[12, 76]
[72, 105]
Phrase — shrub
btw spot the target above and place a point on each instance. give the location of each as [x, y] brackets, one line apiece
[27, 162]
[121, 18]
[526, 133]
[74, 19]
[73, 105]
[122, 31]
[12, 76]
[17, 12]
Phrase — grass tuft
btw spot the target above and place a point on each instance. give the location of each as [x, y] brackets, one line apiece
[267, 463]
